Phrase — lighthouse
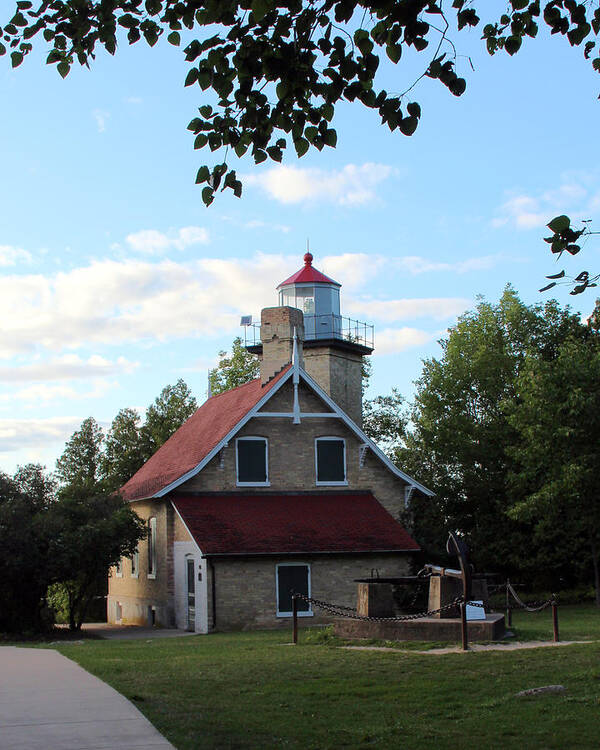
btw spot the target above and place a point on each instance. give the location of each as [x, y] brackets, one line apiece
[331, 346]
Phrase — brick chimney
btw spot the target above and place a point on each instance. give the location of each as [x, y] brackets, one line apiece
[277, 335]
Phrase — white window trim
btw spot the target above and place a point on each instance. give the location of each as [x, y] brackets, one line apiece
[237, 467]
[152, 549]
[308, 613]
[330, 484]
[136, 557]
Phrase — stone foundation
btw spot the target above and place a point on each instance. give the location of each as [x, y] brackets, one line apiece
[423, 629]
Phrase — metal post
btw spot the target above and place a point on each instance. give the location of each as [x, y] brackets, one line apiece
[555, 621]
[508, 607]
[463, 626]
[295, 619]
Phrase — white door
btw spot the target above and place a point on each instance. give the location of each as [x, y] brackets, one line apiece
[191, 594]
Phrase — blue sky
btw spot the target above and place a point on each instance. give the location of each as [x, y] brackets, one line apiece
[116, 280]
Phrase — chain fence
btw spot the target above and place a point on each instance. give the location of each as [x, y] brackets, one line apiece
[537, 606]
[351, 613]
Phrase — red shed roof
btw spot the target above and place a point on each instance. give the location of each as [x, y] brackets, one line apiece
[196, 438]
[308, 274]
[243, 524]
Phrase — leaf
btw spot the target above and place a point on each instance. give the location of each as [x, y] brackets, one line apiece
[573, 249]
[202, 175]
[174, 38]
[330, 138]
[200, 141]
[16, 59]
[191, 77]
[301, 145]
[63, 68]
[556, 275]
[408, 125]
[513, 44]
[205, 111]
[559, 224]
[208, 196]
[394, 52]
[260, 8]
[548, 286]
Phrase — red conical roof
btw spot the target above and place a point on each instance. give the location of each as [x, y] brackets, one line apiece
[308, 275]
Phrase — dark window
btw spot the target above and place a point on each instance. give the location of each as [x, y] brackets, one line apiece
[331, 464]
[252, 460]
[292, 578]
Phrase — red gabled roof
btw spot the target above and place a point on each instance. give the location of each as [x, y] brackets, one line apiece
[243, 524]
[196, 438]
[308, 274]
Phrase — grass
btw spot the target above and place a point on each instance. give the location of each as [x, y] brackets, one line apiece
[252, 690]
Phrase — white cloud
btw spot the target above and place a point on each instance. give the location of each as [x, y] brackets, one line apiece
[438, 308]
[416, 264]
[112, 302]
[41, 393]
[67, 367]
[259, 224]
[153, 242]
[395, 340]
[351, 185]
[10, 256]
[101, 117]
[352, 270]
[576, 195]
[34, 435]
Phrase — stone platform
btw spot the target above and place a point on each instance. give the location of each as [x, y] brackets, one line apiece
[423, 629]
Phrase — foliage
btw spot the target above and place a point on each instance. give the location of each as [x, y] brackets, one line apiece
[566, 238]
[66, 540]
[79, 466]
[166, 415]
[25, 504]
[90, 535]
[256, 691]
[124, 451]
[277, 70]
[557, 417]
[234, 370]
[384, 421]
[460, 433]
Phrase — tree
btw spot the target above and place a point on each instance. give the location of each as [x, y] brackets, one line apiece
[235, 370]
[79, 467]
[25, 503]
[166, 415]
[384, 421]
[277, 70]
[460, 431]
[557, 417]
[90, 534]
[124, 450]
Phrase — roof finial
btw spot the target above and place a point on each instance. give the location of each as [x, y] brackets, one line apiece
[308, 257]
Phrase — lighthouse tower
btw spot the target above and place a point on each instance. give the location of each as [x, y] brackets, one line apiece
[332, 346]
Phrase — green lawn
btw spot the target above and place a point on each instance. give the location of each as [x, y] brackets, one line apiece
[251, 690]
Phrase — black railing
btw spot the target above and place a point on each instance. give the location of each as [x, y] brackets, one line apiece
[321, 327]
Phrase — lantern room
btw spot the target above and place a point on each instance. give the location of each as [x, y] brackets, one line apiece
[317, 296]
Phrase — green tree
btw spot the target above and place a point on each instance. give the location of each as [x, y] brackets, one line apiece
[234, 370]
[385, 419]
[79, 467]
[90, 534]
[277, 70]
[169, 411]
[124, 450]
[460, 431]
[25, 503]
[557, 418]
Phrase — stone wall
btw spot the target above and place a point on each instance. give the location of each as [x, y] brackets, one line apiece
[144, 600]
[245, 589]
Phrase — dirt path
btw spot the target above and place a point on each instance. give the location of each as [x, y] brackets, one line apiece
[472, 647]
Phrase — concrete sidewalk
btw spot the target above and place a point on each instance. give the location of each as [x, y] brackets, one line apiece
[47, 702]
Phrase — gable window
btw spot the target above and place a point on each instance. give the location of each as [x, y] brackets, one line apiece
[330, 458]
[293, 577]
[152, 548]
[252, 461]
